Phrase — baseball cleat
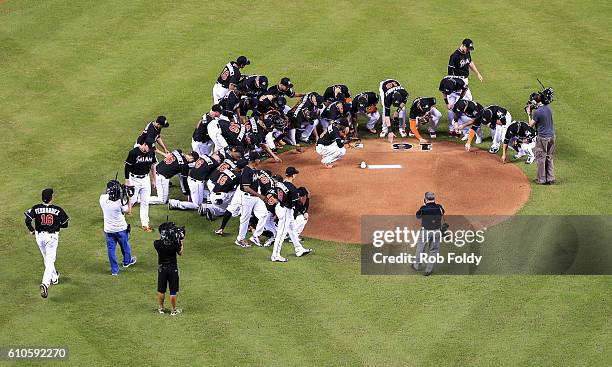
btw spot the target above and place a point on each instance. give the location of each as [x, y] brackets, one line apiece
[278, 259]
[115, 274]
[242, 243]
[433, 135]
[493, 150]
[518, 156]
[383, 134]
[132, 262]
[465, 137]
[219, 232]
[304, 252]
[328, 165]
[403, 133]
[171, 205]
[256, 241]
[372, 131]
[176, 311]
[478, 139]
[56, 281]
[410, 134]
[161, 311]
[427, 273]
[208, 214]
[530, 160]
[44, 291]
[147, 229]
[269, 242]
[201, 210]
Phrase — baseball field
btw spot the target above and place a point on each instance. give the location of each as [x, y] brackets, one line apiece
[81, 78]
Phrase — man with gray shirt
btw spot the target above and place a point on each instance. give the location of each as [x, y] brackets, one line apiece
[545, 140]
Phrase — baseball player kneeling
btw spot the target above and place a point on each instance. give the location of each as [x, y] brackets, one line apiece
[421, 112]
[520, 137]
[288, 200]
[330, 144]
[497, 118]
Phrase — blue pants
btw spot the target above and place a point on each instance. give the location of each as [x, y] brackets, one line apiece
[111, 244]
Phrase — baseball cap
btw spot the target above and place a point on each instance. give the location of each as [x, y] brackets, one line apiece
[195, 155]
[286, 82]
[242, 163]
[263, 82]
[47, 195]
[217, 108]
[341, 96]
[430, 196]
[278, 177]
[290, 171]
[149, 143]
[468, 43]
[243, 60]
[448, 85]
[163, 121]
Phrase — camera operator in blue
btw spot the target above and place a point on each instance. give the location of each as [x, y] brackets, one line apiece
[115, 203]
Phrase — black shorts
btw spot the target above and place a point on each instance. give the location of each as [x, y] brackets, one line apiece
[167, 276]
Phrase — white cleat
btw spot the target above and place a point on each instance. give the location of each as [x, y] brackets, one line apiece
[403, 133]
[269, 242]
[383, 134]
[465, 137]
[530, 160]
[256, 241]
[478, 139]
[304, 252]
[278, 259]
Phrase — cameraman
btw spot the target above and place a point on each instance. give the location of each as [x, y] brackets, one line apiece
[540, 115]
[115, 203]
[169, 244]
[431, 215]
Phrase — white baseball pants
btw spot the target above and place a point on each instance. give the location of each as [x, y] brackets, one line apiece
[252, 205]
[219, 202]
[500, 131]
[286, 226]
[202, 148]
[47, 243]
[162, 186]
[142, 192]
[435, 119]
[219, 92]
[453, 98]
[197, 192]
[330, 153]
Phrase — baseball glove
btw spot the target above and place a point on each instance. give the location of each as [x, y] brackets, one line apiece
[354, 141]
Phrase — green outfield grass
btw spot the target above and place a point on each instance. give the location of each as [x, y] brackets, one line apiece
[81, 78]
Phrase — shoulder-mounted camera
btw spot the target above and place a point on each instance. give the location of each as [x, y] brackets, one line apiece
[170, 233]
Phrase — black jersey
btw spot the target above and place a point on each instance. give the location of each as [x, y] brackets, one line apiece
[200, 133]
[489, 116]
[452, 84]
[520, 130]
[138, 162]
[226, 181]
[166, 254]
[247, 104]
[149, 133]
[459, 63]
[305, 103]
[47, 218]
[266, 103]
[266, 186]
[288, 195]
[365, 99]
[203, 167]
[336, 110]
[330, 136]
[421, 106]
[467, 108]
[227, 164]
[332, 92]
[233, 132]
[172, 165]
[275, 91]
[392, 90]
[249, 177]
[248, 86]
[230, 101]
[229, 75]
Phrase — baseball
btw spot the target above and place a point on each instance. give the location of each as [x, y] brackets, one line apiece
[363, 164]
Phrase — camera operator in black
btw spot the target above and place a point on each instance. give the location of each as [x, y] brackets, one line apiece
[168, 246]
[431, 215]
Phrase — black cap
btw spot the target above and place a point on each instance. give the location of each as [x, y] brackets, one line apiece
[195, 155]
[281, 102]
[278, 177]
[242, 163]
[290, 171]
[149, 143]
[163, 121]
[254, 156]
[340, 96]
[47, 195]
[448, 85]
[468, 43]
[286, 82]
[237, 148]
[263, 82]
[243, 60]
[217, 108]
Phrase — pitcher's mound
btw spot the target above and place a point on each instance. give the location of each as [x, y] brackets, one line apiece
[474, 183]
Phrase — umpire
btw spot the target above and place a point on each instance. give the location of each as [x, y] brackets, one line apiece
[168, 246]
[431, 215]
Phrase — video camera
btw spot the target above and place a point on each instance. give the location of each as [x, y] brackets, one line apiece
[546, 96]
[171, 234]
[117, 191]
